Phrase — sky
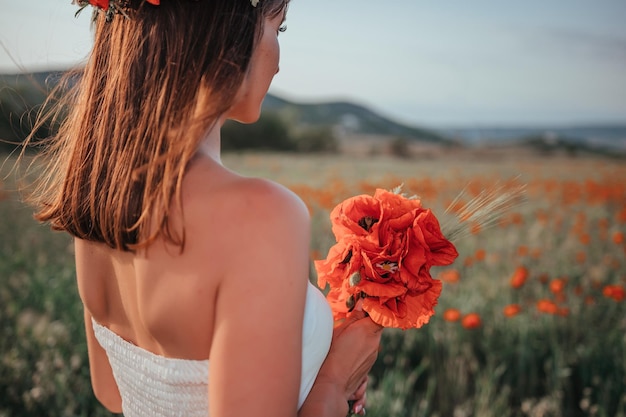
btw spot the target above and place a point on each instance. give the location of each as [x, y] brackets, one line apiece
[453, 63]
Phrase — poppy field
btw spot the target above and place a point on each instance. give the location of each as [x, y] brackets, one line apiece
[531, 320]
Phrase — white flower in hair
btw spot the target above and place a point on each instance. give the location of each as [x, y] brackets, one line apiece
[254, 2]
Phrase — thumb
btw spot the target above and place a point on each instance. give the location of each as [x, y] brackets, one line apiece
[350, 319]
[365, 321]
[355, 315]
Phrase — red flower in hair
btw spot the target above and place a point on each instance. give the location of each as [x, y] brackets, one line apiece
[104, 4]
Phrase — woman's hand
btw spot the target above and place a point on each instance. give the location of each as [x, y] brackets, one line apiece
[352, 354]
[353, 351]
[343, 375]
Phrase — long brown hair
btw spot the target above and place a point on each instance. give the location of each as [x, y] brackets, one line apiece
[154, 84]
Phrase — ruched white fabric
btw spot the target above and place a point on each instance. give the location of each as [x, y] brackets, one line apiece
[155, 386]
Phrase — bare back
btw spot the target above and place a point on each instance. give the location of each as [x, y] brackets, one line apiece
[156, 298]
[167, 315]
[159, 299]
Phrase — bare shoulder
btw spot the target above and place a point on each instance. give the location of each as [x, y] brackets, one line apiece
[238, 203]
[257, 200]
[235, 217]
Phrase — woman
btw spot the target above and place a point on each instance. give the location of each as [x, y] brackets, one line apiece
[194, 278]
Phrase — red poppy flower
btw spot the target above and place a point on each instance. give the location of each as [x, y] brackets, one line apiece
[451, 276]
[471, 321]
[102, 4]
[511, 310]
[557, 285]
[452, 315]
[616, 292]
[386, 245]
[547, 306]
[519, 277]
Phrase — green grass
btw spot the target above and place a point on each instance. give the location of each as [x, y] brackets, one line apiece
[533, 364]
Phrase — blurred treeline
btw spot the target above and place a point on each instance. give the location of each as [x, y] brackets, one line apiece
[22, 100]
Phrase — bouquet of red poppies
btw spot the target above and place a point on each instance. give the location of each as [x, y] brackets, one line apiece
[386, 245]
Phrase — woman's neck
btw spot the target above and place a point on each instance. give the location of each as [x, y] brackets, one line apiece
[211, 144]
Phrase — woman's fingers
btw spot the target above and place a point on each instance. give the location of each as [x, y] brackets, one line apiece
[358, 407]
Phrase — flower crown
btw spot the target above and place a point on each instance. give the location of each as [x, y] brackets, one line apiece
[113, 7]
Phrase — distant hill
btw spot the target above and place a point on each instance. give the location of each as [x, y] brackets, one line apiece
[22, 91]
[345, 117]
[349, 118]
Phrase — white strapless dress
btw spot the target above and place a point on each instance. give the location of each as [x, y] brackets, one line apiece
[155, 386]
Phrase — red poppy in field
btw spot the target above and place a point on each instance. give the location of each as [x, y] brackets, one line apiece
[547, 306]
[452, 315]
[386, 245]
[451, 276]
[511, 310]
[616, 292]
[471, 321]
[584, 238]
[522, 250]
[520, 275]
[618, 238]
[557, 285]
[480, 254]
